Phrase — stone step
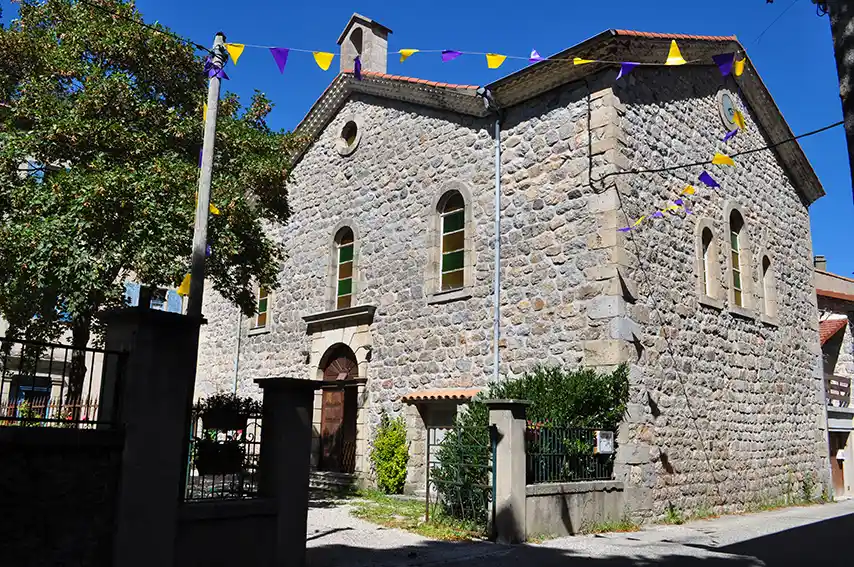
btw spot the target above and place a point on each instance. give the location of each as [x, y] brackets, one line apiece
[331, 482]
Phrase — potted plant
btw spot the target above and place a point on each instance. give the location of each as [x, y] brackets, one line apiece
[218, 457]
[227, 412]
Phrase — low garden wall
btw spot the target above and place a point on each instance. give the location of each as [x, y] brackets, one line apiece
[559, 509]
[226, 533]
[58, 490]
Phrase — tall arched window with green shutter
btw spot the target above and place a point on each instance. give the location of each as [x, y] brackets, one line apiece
[344, 279]
[452, 265]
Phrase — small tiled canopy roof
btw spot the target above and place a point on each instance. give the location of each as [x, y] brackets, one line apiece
[443, 395]
[829, 327]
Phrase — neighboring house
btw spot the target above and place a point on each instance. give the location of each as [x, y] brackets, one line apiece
[836, 322]
[386, 289]
[45, 385]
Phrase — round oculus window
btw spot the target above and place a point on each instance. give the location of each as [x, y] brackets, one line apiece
[350, 136]
[727, 108]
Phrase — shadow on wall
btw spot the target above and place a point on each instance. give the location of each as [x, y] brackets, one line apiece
[818, 543]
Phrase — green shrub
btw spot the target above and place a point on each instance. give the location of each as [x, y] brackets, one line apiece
[580, 398]
[390, 455]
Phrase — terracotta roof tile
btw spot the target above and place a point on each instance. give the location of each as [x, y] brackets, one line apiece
[654, 35]
[834, 294]
[829, 327]
[449, 394]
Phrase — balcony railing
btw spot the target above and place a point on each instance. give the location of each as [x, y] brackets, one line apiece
[838, 390]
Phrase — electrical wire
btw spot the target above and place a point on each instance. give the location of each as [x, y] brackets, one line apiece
[777, 19]
[708, 162]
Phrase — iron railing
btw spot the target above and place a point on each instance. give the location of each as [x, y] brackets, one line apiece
[237, 484]
[564, 454]
[837, 390]
[56, 385]
[461, 473]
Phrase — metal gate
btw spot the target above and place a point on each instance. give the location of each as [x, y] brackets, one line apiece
[461, 473]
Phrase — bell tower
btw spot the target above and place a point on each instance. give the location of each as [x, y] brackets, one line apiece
[367, 39]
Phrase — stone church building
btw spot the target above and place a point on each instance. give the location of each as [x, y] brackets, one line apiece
[387, 288]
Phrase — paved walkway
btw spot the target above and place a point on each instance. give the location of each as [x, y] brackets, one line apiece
[794, 536]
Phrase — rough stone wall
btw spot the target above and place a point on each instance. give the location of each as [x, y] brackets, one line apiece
[217, 343]
[725, 409]
[406, 158]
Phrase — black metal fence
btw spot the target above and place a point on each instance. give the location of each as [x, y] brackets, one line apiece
[57, 385]
[566, 454]
[461, 473]
[223, 465]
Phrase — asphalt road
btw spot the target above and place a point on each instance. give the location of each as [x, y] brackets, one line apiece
[817, 535]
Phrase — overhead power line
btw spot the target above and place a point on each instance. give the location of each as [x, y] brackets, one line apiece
[709, 161]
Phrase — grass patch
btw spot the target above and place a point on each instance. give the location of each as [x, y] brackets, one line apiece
[623, 525]
[408, 514]
[673, 515]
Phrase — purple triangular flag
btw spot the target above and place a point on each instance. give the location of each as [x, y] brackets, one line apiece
[679, 202]
[535, 56]
[625, 229]
[724, 62]
[201, 151]
[208, 64]
[208, 251]
[217, 72]
[450, 55]
[730, 135]
[657, 214]
[708, 180]
[280, 54]
[625, 69]
[357, 68]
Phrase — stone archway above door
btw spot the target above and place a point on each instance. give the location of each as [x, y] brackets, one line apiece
[351, 327]
[339, 408]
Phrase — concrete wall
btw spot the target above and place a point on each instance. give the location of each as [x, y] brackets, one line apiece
[726, 403]
[560, 509]
[223, 534]
[58, 494]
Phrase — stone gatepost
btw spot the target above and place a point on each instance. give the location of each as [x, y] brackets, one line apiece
[154, 393]
[508, 417]
[284, 464]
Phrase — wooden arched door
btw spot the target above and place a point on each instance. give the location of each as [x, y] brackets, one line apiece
[338, 411]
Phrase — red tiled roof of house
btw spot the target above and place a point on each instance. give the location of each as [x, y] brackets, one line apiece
[448, 394]
[834, 294]
[413, 80]
[829, 327]
[654, 35]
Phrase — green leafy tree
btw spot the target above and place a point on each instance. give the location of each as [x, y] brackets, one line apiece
[390, 455]
[108, 115]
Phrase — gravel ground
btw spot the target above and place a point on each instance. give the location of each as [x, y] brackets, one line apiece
[794, 536]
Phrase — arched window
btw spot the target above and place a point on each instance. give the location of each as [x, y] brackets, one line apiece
[769, 289]
[738, 267]
[706, 260]
[452, 210]
[356, 40]
[344, 245]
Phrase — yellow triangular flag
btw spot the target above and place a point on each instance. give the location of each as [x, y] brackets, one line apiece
[235, 50]
[640, 220]
[674, 57]
[721, 159]
[406, 54]
[494, 60]
[738, 118]
[580, 61]
[739, 67]
[689, 190]
[212, 208]
[323, 59]
[671, 208]
[184, 288]
[204, 111]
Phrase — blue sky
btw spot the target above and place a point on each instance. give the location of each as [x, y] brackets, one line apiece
[794, 58]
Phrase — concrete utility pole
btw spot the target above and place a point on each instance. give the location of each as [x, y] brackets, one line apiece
[200, 234]
[842, 28]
